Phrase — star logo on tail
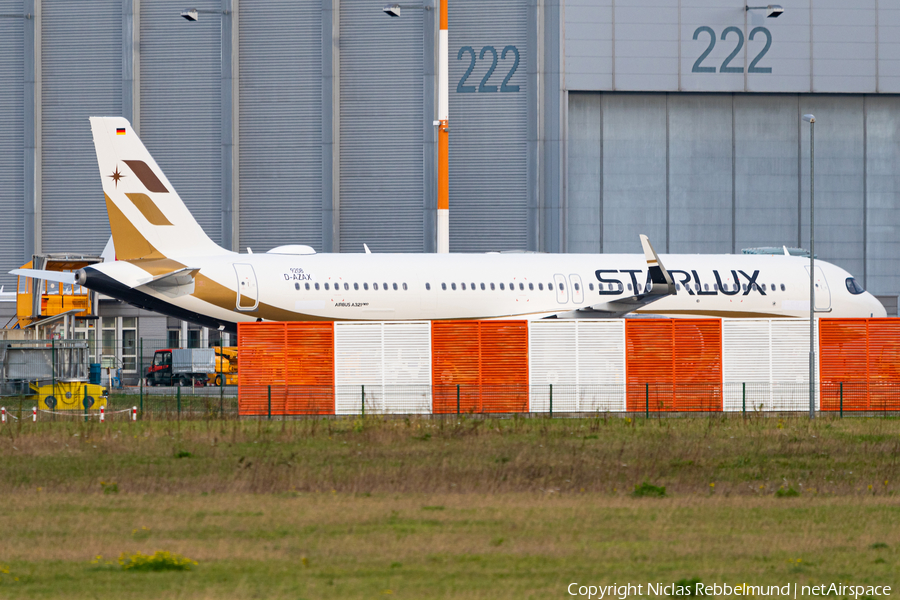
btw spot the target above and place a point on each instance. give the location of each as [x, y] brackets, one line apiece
[116, 176]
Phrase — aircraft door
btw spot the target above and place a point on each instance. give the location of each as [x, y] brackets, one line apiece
[823, 293]
[247, 290]
[562, 295]
[577, 290]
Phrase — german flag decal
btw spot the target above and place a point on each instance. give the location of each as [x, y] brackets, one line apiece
[120, 131]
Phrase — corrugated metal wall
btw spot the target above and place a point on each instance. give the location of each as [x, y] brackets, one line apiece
[309, 368]
[722, 172]
[583, 360]
[860, 364]
[765, 364]
[181, 104]
[392, 361]
[294, 360]
[488, 360]
[82, 76]
[489, 59]
[12, 140]
[280, 123]
[674, 364]
[381, 131]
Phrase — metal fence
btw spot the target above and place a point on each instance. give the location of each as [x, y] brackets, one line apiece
[71, 379]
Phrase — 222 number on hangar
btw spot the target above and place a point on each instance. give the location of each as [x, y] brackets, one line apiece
[725, 67]
[508, 53]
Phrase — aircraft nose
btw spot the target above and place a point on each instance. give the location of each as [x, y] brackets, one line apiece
[878, 309]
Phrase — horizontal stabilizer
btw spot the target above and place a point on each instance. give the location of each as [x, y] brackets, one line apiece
[174, 284]
[59, 276]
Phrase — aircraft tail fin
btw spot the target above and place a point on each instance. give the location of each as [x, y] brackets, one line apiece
[147, 217]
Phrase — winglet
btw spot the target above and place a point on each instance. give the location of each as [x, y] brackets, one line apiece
[659, 276]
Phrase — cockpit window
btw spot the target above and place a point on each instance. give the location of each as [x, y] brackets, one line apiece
[853, 287]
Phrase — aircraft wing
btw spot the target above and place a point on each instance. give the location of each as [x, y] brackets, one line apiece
[661, 285]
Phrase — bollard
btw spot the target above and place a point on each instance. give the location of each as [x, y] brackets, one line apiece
[3, 412]
[270, 402]
[141, 372]
[551, 400]
[134, 413]
[744, 398]
[102, 413]
[457, 398]
[842, 399]
[647, 400]
[34, 414]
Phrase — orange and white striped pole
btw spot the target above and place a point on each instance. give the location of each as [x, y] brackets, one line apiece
[443, 198]
[443, 121]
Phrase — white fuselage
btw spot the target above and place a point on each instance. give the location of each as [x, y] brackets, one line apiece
[388, 287]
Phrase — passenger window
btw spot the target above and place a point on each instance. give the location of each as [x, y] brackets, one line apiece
[629, 286]
[772, 287]
[472, 287]
[562, 287]
[482, 286]
[395, 287]
[541, 287]
[550, 286]
[384, 286]
[444, 286]
[326, 286]
[374, 286]
[782, 287]
[578, 287]
[763, 287]
[463, 286]
[501, 287]
[365, 286]
[355, 286]
[745, 287]
[317, 286]
[522, 286]
[705, 287]
[404, 287]
[296, 286]
[492, 287]
[306, 285]
[427, 286]
[531, 287]
[453, 286]
[677, 287]
[346, 286]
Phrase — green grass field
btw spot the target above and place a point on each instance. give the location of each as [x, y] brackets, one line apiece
[452, 508]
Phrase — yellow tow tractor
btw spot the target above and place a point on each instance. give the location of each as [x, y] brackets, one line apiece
[226, 365]
[54, 373]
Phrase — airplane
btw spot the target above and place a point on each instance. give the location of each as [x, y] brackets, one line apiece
[167, 264]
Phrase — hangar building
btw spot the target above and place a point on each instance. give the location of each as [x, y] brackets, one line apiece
[575, 125]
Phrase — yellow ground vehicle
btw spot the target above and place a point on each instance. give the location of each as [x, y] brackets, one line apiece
[38, 300]
[69, 395]
[52, 372]
[226, 365]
